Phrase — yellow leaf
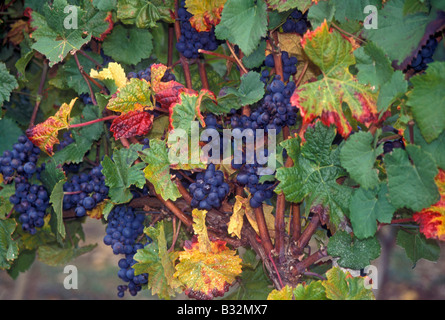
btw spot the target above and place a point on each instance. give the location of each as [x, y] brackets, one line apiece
[97, 212]
[208, 273]
[200, 229]
[236, 219]
[206, 13]
[284, 294]
[114, 71]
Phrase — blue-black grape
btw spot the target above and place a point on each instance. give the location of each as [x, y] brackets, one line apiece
[191, 40]
[123, 229]
[296, 22]
[424, 56]
[209, 189]
[289, 64]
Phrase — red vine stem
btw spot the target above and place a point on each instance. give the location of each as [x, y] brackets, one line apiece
[262, 228]
[238, 61]
[306, 263]
[296, 224]
[276, 270]
[83, 124]
[184, 63]
[39, 94]
[203, 74]
[82, 72]
[218, 55]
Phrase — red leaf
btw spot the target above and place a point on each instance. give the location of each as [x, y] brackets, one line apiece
[166, 93]
[130, 124]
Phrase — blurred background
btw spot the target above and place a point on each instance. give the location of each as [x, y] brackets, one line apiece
[97, 275]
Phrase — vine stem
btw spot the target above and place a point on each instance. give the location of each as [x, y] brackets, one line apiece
[203, 74]
[262, 228]
[82, 72]
[93, 121]
[296, 222]
[91, 59]
[347, 33]
[276, 270]
[276, 53]
[307, 234]
[39, 94]
[218, 55]
[184, 63]
[238, 61]
[302, 73]
[300, 267]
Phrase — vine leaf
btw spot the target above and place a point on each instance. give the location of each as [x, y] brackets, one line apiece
[155, 260]
[358, 156]
[282, 6]
[7, 83]
[419, 168]
[166, 93]
[311, 291]
[243, 23]
[367, 207]
[44, 135]
[113, 72]
[9, 249]
[144, 14]
[353, 252]
[313, 177]
[128, 45]
[134, 96]
[432, 219]
[188, 109]
[426, 101]
[206, 14]
[120, 173]
[130, 124]
[207, 266]
[323, 98]
[341, 285]
[158, 170]
[417, 246]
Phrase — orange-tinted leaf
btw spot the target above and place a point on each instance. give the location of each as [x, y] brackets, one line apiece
[133, 96]
[432, 219]
[44, 135]
[130, 124]
[206, 13]
[166, 93]
[207, 267]
[333, 54]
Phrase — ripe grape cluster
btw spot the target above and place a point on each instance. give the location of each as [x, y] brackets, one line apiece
[85, 191]
[191, 40]
[123, 229]
[296, 22]
[289, 66]
[209, 190]
[389, 146]
[273, 112]
[424, 56]
[29, 200]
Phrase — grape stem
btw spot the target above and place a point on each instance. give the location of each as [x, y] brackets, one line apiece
[218, 55]
[83, 124]
[238, 61]
[203, 74]
[89, 58]
[82, 72]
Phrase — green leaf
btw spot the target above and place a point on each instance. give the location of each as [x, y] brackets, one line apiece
[374, 67]
[158, 263]
[56, 200]
[366, 208]
[411, 179]
[105, 5]
[84, 137]
[256, 58]
[144, 13]
[340, 287]
[354, 253]
[392, 90]
[158, 170]
[131, 97]
[9, 249]
[5, 205]
[398, 34]
[22, 263]
[53, 39]
[7, 83]
[281, 5]
[250, 90]
[128, 45]
[313, 177]
[13, 132]
[120, 173]
[436, 148]
[55, 255]
[417, 246]
[415, 6]
[358, 156]
[312, 291]
[427, 101]
[243, 23]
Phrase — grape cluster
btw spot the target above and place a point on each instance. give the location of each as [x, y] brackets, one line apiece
[22, 159]
[289, 66]
[191, 40]
[389, 146]
[85, 191]
[209, 190]
[31, 202]
[296, 22]
[273, 112]
[424, 56]
[123, 230]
